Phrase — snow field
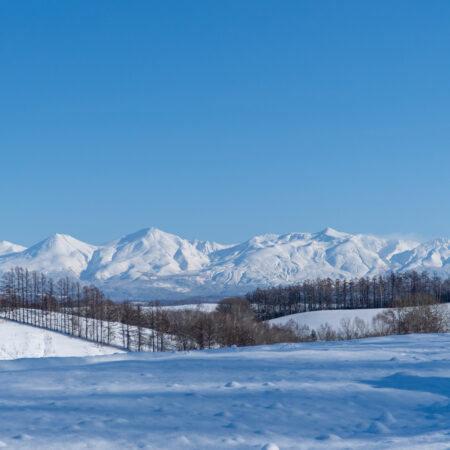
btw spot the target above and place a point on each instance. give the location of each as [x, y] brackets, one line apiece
[379, 393]
[334, 318]
[205, 307]
[24, 341]
[315, 319]
[91, 328]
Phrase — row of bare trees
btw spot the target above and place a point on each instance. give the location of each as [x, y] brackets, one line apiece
[84, 311]
[65, 306]
[374, 292]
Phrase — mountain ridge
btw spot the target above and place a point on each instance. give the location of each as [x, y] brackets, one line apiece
[151, 264]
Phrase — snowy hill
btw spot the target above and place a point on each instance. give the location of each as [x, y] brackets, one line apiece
[24, 341]
[382, 393]
[152, 264]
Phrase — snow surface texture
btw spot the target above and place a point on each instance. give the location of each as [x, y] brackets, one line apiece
[24, 341]
[380, 393]
[151, 264]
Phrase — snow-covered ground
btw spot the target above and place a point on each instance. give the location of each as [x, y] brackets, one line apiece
[90, 331]
[315, 319]
[205, 307]
[390, 392]
[334, 318]
[24, 341]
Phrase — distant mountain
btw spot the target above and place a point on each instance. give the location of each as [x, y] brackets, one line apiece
[60, 254]
[6, 248]
[151, 264]
[145, 254]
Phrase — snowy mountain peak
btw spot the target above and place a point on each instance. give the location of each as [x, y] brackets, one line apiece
[138, 235]
[153, 264]
[6, 248]
[208, 247]
[440, 242]
[145, 254]
[61, 244]
[58, 254]
[148, 235]
[330, 233]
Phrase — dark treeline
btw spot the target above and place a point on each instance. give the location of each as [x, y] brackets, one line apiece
[375, 292]
[84, 311]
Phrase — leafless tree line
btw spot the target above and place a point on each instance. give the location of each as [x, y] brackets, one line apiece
[85, 312]
[65, 306]
[374, 292]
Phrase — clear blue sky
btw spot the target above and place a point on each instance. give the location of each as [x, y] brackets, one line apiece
[224, 119]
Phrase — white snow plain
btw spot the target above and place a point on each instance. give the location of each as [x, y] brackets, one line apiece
[378, 393]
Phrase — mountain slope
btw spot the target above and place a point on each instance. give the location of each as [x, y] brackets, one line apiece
[152, 264]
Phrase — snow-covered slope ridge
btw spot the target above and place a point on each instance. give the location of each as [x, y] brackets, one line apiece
[153, 264]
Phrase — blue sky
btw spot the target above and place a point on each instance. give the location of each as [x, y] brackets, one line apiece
[221, 120]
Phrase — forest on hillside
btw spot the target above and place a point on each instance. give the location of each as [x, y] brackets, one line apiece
[376, 292]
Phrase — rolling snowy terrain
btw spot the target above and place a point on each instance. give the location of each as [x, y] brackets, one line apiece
[151, 264]
[380, 393]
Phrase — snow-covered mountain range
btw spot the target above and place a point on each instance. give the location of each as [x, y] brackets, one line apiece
[151, 264]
